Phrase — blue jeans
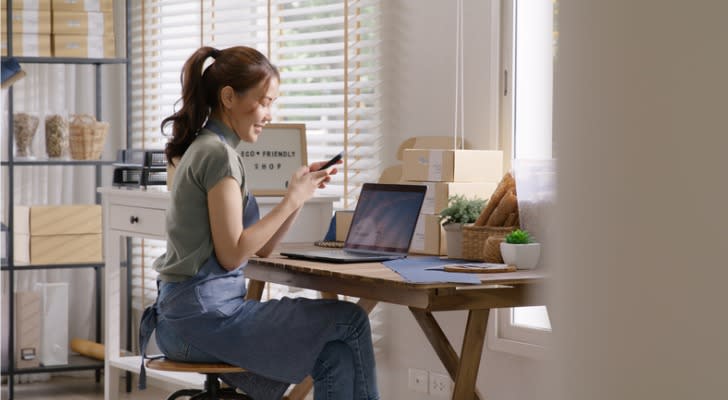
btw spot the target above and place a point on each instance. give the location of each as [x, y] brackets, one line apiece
[278, 342]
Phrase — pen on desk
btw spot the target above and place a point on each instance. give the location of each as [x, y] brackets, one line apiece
[474, 268]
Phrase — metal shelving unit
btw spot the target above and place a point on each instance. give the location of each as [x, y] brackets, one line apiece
[8, 266]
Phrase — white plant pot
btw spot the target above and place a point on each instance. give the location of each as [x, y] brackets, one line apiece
[523, 256]
[454, 240]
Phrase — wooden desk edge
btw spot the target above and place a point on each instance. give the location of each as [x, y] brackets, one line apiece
[377, 282]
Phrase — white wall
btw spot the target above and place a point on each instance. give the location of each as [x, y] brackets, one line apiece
[419, 59]
[640, 129]
[419, 72]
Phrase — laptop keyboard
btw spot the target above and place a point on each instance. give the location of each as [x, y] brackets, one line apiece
[332, 244]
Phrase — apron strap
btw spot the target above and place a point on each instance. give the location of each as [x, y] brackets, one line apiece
[147, 325]
[251, 214]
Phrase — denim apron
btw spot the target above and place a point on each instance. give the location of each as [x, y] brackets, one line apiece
[150, 316]
[277, 340]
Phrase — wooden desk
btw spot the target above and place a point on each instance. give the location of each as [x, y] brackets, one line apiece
[374, 282]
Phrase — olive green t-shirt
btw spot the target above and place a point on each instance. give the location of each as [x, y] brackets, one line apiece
[189, 239]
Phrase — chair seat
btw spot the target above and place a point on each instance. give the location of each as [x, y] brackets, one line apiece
[164, 364]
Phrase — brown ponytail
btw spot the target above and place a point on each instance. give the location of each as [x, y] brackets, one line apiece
[240, 67]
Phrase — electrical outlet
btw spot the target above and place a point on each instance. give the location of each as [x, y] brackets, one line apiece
[417, 380]
[440, 385]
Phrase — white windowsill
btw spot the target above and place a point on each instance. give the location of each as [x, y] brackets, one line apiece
[497, 342]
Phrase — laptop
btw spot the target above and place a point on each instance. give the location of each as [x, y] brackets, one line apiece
[381, 228]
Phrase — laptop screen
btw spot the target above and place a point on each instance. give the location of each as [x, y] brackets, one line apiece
[385, 218]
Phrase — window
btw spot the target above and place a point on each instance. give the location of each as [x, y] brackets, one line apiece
[528, 37]
[327, 53]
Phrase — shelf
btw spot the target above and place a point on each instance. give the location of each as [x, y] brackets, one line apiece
[75, 363]
[30, 267]
[120, 67]
[46, 161]
[68, 60]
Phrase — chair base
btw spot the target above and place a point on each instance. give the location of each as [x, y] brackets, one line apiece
[212, 391]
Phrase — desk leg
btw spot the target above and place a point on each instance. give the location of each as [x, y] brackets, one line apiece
[255, 290]
[470, 354]
[301, 390]
[472, 350]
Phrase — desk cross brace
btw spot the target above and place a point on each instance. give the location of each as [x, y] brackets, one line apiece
[464, 369]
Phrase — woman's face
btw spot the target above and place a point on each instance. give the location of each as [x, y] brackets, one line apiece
[249, 112]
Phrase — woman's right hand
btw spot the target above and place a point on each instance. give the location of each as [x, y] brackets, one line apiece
[303, 184]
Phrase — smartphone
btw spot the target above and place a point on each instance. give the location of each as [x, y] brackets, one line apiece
[332, 161]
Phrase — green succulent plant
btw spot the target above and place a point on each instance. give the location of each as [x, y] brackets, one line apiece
[461, 210]
[519, 236]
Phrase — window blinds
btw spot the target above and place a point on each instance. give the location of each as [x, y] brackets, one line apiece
[328, 55]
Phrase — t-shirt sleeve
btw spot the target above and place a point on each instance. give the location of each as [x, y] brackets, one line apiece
[217, 164]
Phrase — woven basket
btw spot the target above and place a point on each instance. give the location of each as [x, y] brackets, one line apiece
[86, 137]
[474, 238]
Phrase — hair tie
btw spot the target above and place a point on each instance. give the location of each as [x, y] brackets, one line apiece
[206, 64]
[216, 53]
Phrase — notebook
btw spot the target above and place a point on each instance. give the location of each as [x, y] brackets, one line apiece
[381, 229]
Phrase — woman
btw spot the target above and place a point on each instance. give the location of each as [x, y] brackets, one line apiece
[213, 228]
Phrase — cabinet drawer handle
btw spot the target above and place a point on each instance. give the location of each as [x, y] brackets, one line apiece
[134, 219]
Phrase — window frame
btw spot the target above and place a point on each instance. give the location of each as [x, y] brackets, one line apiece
[504, 335]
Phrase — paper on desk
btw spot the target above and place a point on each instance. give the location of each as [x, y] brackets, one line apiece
[417, 270]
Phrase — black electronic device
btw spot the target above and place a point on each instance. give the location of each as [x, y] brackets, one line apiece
[140, 168]
[332, 161]
[144, 158]
[137, 176]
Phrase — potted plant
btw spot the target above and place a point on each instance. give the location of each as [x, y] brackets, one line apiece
[520, 249]
[460, 211]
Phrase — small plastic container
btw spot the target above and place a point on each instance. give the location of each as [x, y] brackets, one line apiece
[56, 135]
[25, 125]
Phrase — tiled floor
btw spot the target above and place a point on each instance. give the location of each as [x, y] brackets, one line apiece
[72, 388]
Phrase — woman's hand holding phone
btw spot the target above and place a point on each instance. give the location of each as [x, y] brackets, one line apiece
[321, 166]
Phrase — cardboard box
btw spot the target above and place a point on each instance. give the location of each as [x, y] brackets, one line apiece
[82, 5]
[58, 249]
[343, 222]
[83, 23]
[430, 142]
[57, 220]
[53, 323]
[452, 165]
[438, 193]
[27, 329]
[29, 21]
[28, 45]
[429, 237]
[27, 5]
[84, 46]
[58, 234]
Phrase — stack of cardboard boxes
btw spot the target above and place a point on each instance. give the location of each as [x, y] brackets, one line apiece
[446, 173]
[31, 28]
[83, 28]
[62, 28]
[64, 234]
